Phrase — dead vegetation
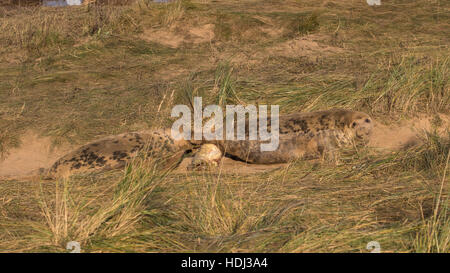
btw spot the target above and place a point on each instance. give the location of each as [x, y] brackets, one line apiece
[78, 73]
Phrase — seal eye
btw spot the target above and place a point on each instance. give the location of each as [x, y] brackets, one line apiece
[353, 124]
[367, 120]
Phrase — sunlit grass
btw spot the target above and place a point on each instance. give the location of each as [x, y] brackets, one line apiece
[81, 73]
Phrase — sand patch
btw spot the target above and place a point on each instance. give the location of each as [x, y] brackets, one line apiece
[306, 46]
[201, 34]
[163, 37]
[34, 153]
[174, 37]
[310, 47]
[230, 166]
[407, 133]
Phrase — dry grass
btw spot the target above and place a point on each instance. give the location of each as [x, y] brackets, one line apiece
[300, 208]
[90, 68]
[172, 13]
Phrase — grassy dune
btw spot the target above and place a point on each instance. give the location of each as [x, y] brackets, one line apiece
[75, 74]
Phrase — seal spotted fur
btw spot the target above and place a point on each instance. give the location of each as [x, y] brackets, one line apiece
[305, 135]
[116, 151]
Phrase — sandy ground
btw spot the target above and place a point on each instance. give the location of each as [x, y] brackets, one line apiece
[37, 152]
[174, 39]
[34, 153]
[231, 166]
[405, 134]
